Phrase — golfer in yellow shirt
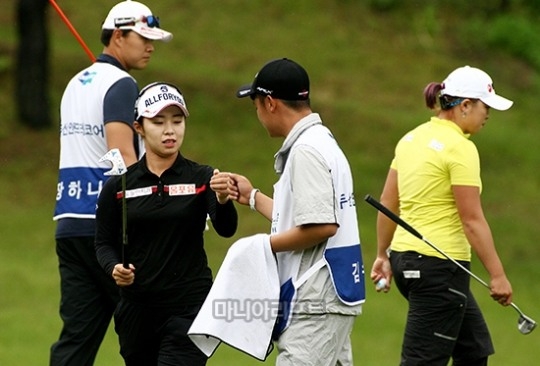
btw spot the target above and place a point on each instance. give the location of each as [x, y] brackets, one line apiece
[434, 184]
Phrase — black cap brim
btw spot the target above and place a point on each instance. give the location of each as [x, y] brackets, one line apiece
[245, 91]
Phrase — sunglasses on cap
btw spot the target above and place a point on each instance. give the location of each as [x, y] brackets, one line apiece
[150, 20]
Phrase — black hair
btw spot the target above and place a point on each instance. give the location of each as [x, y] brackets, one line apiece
[447, 102]
[297, 104]
[106, 35]
[293, 104]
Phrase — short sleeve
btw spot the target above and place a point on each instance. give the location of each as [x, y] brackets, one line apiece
[464, 165]
[119, 102]
[313, 188]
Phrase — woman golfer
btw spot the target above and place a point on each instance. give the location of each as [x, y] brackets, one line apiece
[168, 200]
[434, 184]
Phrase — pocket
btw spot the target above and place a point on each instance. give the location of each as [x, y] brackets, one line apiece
[451, 315]
[406, 269]
[417, 272]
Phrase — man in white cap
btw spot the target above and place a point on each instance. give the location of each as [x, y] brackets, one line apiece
[96, 115]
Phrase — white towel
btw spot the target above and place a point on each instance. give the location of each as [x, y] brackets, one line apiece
[241, 307]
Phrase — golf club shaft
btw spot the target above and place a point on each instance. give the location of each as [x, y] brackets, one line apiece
[125, 261]
[525, 324]
[73, 30]
[398, 220]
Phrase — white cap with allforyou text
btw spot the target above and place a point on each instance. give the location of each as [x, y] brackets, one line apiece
[137, 17]
[470, 82]
[157, 96]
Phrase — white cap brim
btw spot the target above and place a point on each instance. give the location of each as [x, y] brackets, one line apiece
[156, 34]
[497, 102]
[152, 112]
[157, 96]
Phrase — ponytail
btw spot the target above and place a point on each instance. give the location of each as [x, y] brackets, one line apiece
[431, 91]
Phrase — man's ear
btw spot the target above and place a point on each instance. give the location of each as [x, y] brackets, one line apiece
[270, 103]
[117, 35]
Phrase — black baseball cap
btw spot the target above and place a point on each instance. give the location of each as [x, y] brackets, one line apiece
[281, 79]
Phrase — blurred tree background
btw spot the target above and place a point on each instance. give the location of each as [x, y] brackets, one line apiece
[32, 65]
[501, 25]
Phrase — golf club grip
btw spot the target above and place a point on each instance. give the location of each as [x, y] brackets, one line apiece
[392, 216]
[125, 261]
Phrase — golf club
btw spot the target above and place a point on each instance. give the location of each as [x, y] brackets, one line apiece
[119, 168]
[525, 324]
[73, 30]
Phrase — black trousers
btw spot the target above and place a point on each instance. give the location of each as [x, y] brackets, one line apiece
[444, 320]
[88, 300]
[157, 336]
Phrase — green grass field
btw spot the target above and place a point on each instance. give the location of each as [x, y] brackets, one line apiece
[368, 71]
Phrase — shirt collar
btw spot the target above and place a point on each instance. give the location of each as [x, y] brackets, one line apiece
[450, 124]
[177, 167]
[110, 60]
[299, 128]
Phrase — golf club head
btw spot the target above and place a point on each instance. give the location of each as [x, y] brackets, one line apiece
[526, 324]
[115, 158]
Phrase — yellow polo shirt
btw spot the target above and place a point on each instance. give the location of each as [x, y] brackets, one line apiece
[429, 160]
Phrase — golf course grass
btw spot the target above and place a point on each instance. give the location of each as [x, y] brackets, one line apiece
[367, 69]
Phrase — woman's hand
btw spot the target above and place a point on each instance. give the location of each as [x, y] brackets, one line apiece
[224, 186]
[501, 290]
[123, 276]
[381, 270]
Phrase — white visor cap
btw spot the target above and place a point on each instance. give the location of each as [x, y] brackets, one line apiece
[157, 96]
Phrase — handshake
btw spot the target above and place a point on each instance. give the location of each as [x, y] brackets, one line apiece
[231, 186]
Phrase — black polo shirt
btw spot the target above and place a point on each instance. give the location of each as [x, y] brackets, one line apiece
[165, 226]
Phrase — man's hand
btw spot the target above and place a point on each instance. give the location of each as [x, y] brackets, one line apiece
[242, 189]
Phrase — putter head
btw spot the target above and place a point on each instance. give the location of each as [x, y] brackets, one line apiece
[526, 324]
[115, 158]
